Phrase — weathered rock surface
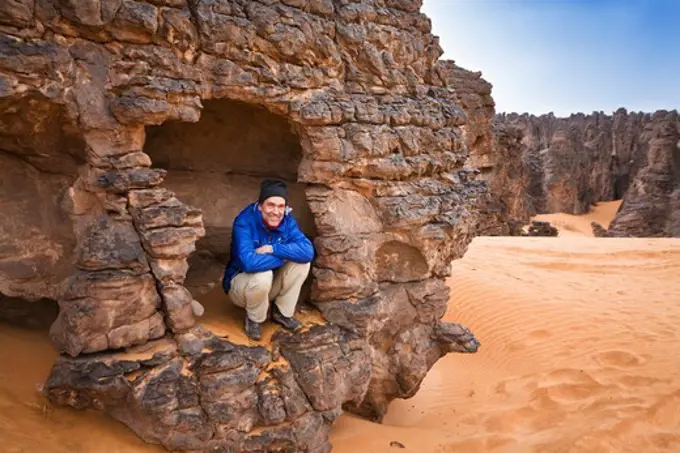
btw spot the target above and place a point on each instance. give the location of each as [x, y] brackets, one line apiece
[651, 205]
[200, 392]
[474, 95]
[598, 230]
[577, 161]
[95, 94]
[495, 151]
[545, 164]
[39, 158]
[541, 228]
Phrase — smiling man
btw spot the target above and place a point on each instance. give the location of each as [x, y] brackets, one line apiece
[270, 260]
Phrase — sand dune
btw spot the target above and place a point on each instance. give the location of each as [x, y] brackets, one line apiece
[580, 353]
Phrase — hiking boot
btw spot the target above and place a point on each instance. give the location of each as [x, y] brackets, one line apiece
[253, 329]
[291, 324]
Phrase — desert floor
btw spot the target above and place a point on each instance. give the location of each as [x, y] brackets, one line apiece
[580, 353]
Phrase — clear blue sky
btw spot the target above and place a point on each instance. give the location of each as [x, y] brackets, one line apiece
[566, 56]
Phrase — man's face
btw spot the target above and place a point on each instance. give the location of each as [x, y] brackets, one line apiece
[272, 210]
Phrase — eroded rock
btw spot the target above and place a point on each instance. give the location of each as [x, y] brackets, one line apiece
[546, 164]
[598, 230]
[348, 108]
[651, 206]
[541, 228]
[200, 392]
[577, 161]
[495, 151]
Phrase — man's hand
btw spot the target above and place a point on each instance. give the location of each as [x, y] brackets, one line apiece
[264, 249]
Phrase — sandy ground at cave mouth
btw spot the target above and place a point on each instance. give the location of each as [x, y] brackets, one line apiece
[580, 353]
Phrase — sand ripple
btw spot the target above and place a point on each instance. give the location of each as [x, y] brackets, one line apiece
[580, 353]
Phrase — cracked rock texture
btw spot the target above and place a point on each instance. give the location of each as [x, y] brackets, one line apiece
[545, 164]
[651, 205]
[577, 161]
[495, 152]
[343, 99]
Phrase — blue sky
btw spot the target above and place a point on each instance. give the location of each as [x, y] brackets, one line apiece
[566, 56]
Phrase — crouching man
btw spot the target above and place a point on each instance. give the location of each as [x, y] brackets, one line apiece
[270, 260]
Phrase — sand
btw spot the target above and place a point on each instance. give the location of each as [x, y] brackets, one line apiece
[580, 353]
[29, 424]
[579, 225]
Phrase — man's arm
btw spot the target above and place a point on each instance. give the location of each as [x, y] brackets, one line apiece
[298, 248]
[252, 261]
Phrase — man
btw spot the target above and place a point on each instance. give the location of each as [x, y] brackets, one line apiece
[270, 260]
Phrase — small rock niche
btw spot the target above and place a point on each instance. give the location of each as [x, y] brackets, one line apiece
[217, 164]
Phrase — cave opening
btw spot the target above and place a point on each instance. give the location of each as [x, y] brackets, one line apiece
[216, 165]
[34, 315]
[41, 151]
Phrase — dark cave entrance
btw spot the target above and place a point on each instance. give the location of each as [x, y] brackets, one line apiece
[19, 312]
[217, 164]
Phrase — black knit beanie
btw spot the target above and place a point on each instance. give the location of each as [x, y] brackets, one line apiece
[273, 188]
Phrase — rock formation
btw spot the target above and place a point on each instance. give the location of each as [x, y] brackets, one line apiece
[545, 164]
[577, 161]
[568, 164]
[541, 228]
[651, 205]
[495, 150]
[598, 230]
[343, 99]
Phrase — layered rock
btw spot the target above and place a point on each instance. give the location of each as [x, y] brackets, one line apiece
[577, 161]
[204, 393]
[651, 205]
[382, 164]
[474, 95]
[495, 150]
[39, 158]
[546, 164]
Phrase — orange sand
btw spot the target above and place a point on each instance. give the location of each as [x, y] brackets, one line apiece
[580, 353]
[579, 225]
[28, 424]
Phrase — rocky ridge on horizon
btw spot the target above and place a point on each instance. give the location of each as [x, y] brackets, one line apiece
[546, 164]
[580, 160]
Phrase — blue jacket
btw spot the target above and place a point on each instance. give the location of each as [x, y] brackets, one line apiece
[287, 241]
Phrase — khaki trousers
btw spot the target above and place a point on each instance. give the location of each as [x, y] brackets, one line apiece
[254, 291]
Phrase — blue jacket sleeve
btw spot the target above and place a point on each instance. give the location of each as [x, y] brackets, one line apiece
[252, 261]
[298, 248]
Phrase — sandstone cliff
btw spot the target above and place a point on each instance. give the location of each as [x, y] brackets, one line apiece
[651, 205]
[495, 152]
[581, 159]
[117, 112]
[546, 164]
[572, 163]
